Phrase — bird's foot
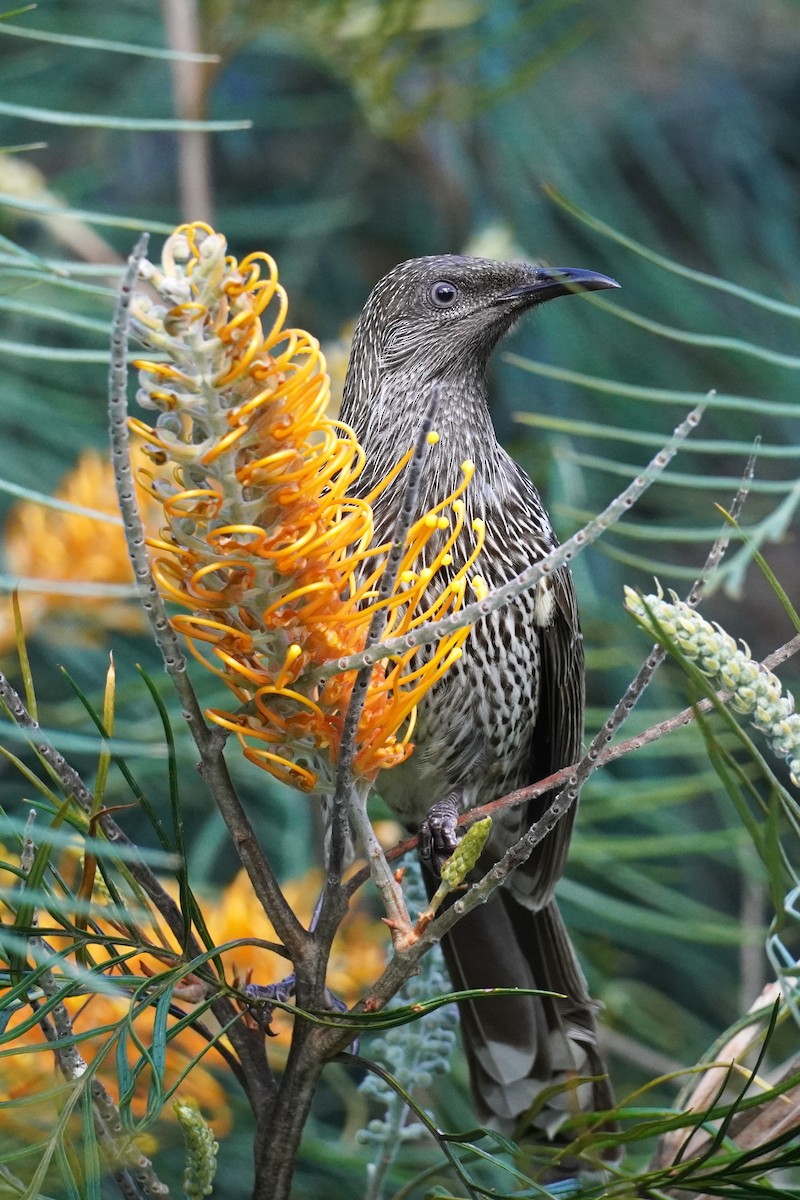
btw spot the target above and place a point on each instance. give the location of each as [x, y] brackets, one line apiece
[334, 1003]
[282, 991]
[263, 997]
[438, 836]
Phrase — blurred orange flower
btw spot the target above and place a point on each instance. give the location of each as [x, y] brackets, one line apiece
[358, 957]
[57, 546]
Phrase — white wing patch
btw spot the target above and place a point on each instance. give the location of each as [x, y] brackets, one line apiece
[544, 603]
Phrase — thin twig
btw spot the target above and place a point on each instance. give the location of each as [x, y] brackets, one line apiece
[383, 877]
[720, 547]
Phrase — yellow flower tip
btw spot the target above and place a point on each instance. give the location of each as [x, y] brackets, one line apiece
[433, 438]
[479, 525]
[456, 590]
[290, 658]
[468, 467]
[447, 560]
[478, 585]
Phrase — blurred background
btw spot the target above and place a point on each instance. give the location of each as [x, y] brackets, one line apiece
[657, 143]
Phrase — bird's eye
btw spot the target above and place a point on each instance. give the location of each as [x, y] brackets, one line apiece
[444, 294]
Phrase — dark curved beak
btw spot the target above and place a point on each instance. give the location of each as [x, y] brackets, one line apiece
[550, 282]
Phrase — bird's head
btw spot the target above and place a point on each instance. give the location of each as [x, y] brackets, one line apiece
[435, 318]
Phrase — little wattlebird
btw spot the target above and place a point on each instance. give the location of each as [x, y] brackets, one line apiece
[510, 711]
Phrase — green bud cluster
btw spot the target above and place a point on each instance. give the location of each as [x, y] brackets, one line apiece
[201, 1151]
[754, 690]
[466, 853]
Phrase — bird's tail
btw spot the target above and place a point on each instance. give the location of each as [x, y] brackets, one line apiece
[534, 1061]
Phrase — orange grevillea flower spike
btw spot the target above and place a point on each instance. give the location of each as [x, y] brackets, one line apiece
[263, 546]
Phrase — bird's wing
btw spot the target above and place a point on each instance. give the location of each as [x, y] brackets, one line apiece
[556, 740]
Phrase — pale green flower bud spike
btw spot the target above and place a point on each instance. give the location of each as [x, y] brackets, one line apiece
[201, 1151]
[458, 865]
[754, 690]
